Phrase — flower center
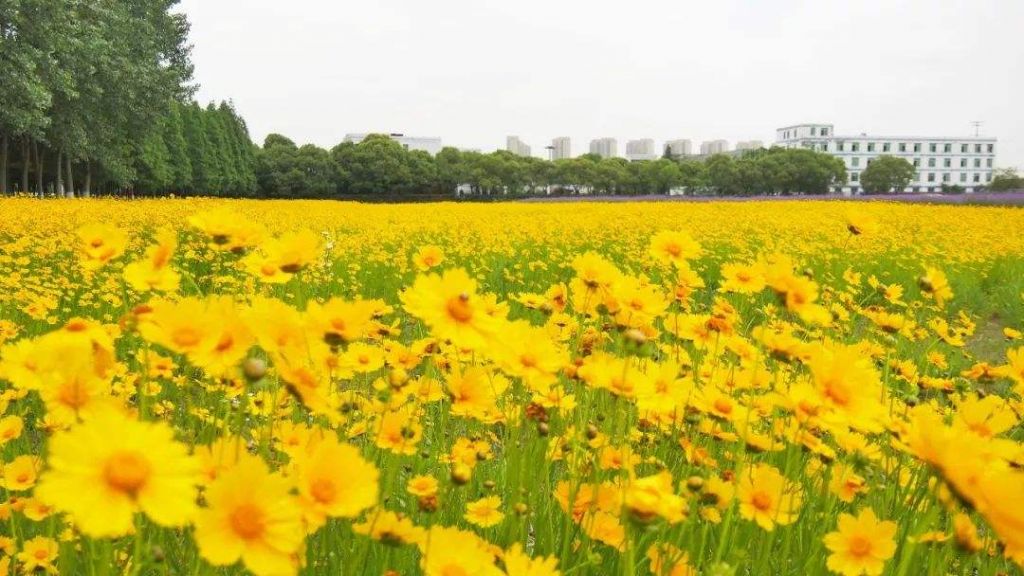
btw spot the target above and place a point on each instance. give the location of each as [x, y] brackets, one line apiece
[127, 472]
[459, 308]
[761, 500]
[186, 337]
[248, 521]
[323, 490]
[74, 395]
[860, 546]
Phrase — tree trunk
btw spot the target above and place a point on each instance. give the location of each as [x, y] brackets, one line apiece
[3, 165]
[71, 178]
[87, 188]
[59, 190]
[39, 169]
[26, 161]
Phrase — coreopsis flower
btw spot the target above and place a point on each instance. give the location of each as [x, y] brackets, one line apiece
[20, 474]
[530, 354]
[652, 496]
[422, 485]
[154, 271]
[591, 286]
[340, 321]
[399, 431]
[935, 285]
[428, 257]
[126, 466]
[38, 555]
[673, 247]
[861, 545]
[446, 551]
[845, 483]
[390, 528]
[742, 278]
[335, 481]
[98, 244]
[450, 306]
[279, 259]
[474, 392]
[850, 385]
[10, 428]
[251, 516]
[518, 563]
[858, 224]
[767, 497]
[668, 560]
[228, 231]
[485, 512]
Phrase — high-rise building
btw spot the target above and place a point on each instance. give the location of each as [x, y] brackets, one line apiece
[604, 147]
[561, 148]
[749, 145]
[516, 146]
[709, 147]
[679, 148]
[962, 161]
[640, 149]
[431, 145]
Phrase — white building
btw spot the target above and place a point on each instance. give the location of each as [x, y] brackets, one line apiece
[561, 148]
[749, 145]
[605, 147]
[516, 146]
[952, 161]
[709, 147]
[678, 148]
[640, 150]
[431, 145]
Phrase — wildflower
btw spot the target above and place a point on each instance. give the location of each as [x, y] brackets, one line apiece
[428, 257]
[98, 244]
[450, 306]
[154, 271]
[10, 428]
[422, 485]
[935, 285]
[20, 474]
[390, 528]
[335, 481]
[517, 563]
[861, 545]
[38, 555]
[485, 512]
[767, 497]
[250, 515]
[447, 551]
[672, 247]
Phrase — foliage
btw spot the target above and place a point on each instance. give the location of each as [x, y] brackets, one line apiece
[887, 174]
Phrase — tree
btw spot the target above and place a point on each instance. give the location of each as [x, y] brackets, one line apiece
[1006, 179]
[887, 173]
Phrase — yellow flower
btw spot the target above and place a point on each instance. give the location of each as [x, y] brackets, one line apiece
[154, 271]
[428, 257]
[104, 470]
[668, 560]
[98, 244]
[673, 247]
[335, 481]
[38, 554]
[10, 428]
[767, 497]
[20, 474]
[742, 278]
[935, 285]
[450, 306]
[390, 528]
[485, 512]
[858, 223]
[422, 485]
[251, 515]
[453, 552]
[861, 545]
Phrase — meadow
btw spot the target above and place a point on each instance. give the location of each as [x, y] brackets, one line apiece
[198, 386]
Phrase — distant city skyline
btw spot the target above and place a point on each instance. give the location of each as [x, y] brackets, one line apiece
[745, 69]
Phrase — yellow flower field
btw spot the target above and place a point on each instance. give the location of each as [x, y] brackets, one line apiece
[721, 388]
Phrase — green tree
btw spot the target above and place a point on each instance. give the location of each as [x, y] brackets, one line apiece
[1006, 179]
[887, 173]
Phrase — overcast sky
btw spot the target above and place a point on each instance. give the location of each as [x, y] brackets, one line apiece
[474, 71]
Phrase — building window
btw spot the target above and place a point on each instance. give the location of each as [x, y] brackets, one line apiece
[988, 162]
[977, 148]
[988, 177]
[917, 177]
[947, 148]
[840, 146]
[854, 176]
[855, 147]
[963, 176]
[931, 162]
[945, 177]
[871, 146]
[963, 148]
[946, 162]
[903, 147]
[855, 162]
[885, 147]
[991, 148]
[963, 162]
[917, 162]
[824, 131]
[977, 162]
[933, 148]
[869, 161]
[813, 130]
[977, 177]
[931, 176]
[917, 147]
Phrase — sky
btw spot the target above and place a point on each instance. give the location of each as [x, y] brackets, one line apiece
[475, 71]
